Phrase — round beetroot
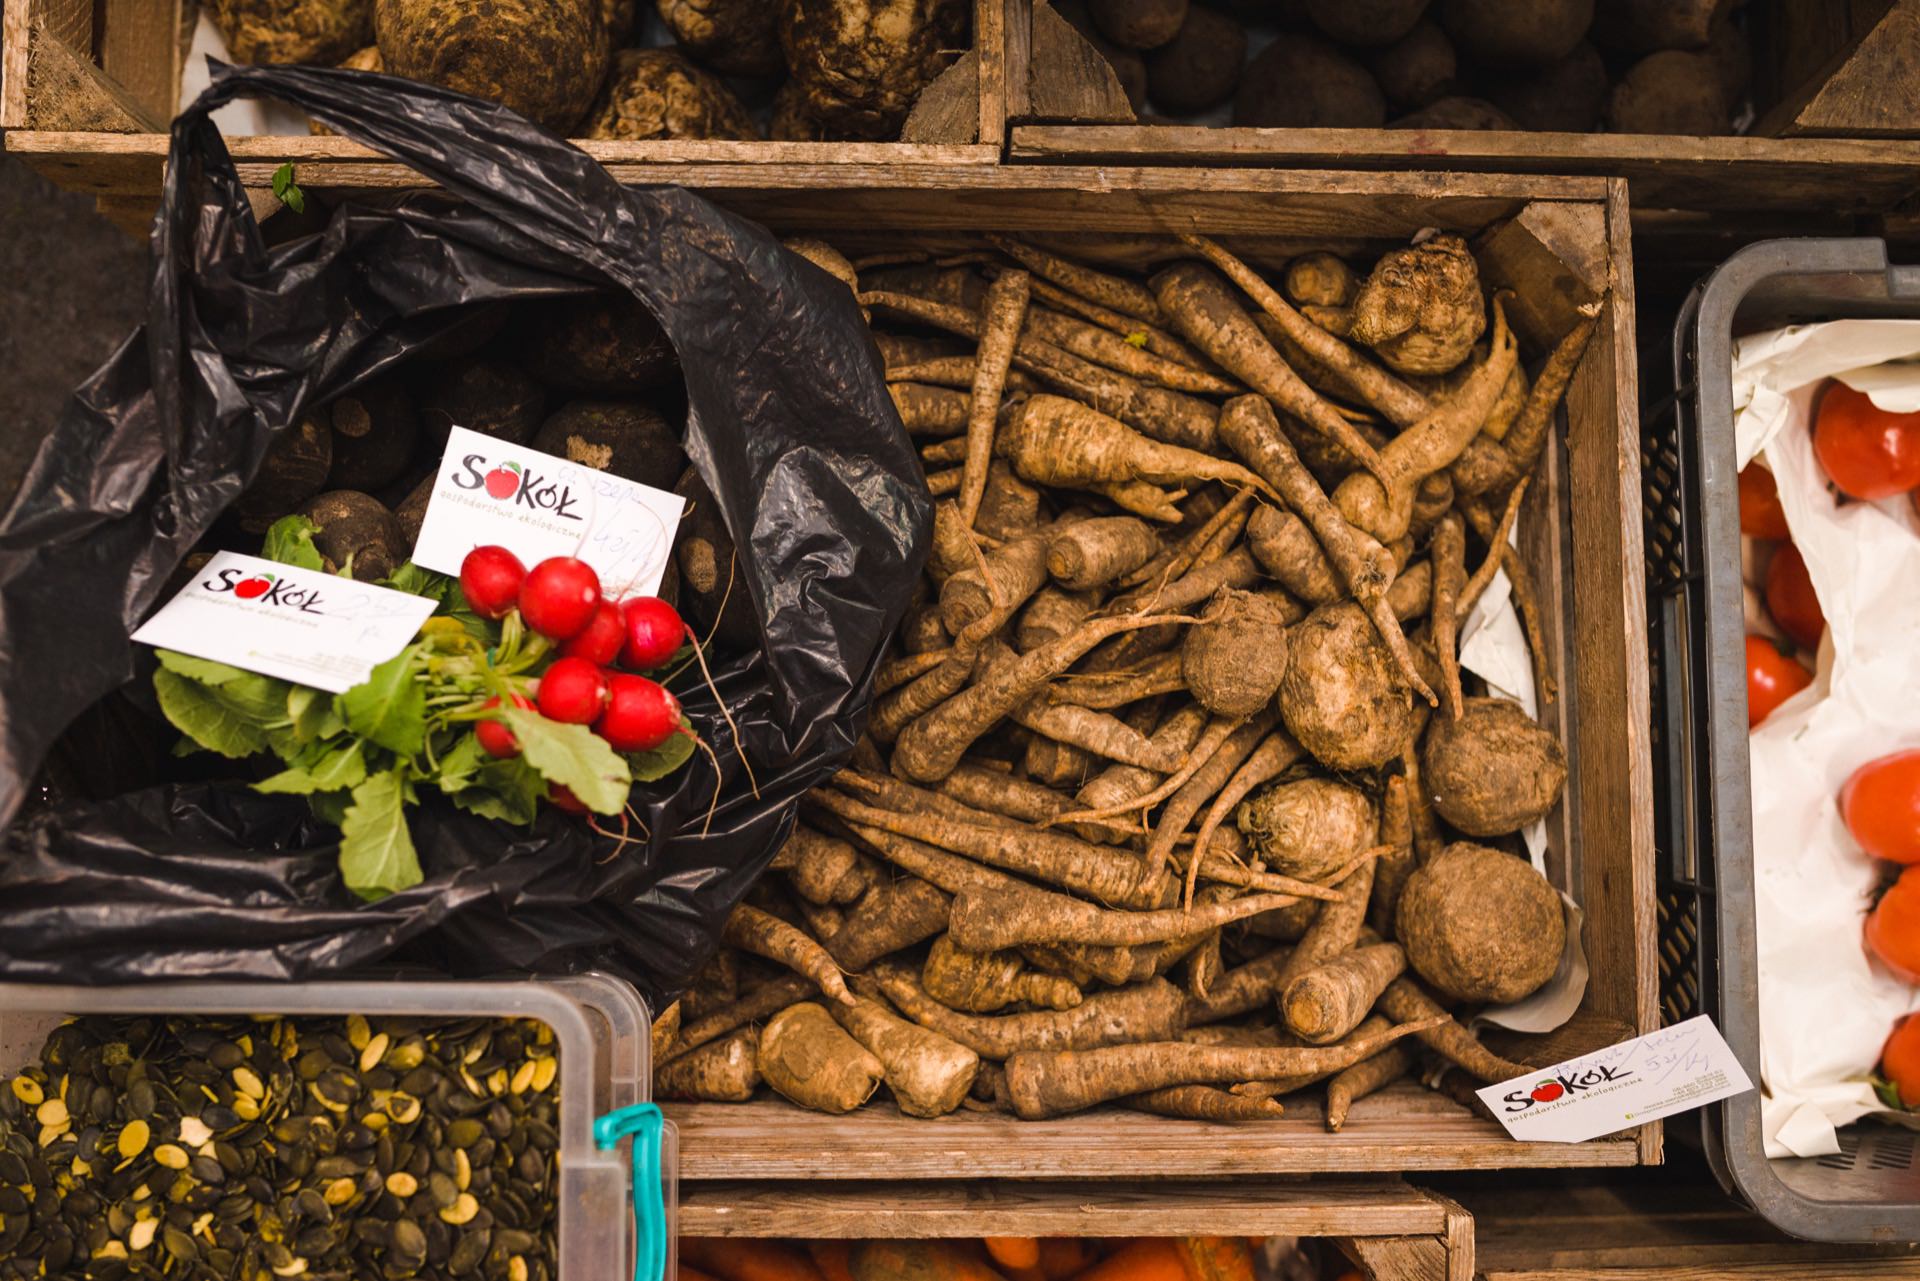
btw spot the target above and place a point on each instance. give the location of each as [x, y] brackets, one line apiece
[654, 630]
[490, 579]
[495, 738]
[560, 596]
[573, 691]
[640, 714]
[601, 641]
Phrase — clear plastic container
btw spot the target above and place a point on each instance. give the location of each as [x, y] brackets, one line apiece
[599, 1023]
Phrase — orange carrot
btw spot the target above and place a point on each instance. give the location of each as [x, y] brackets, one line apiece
[1148, 1259]
[745, 1259]
[1217, 1258]
[1017, 1256]
[830, 1257]
[1062, 1257]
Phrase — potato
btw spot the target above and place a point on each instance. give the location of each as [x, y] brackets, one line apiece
[1235, 657]
[1418, 68]
[1302, 82]
[1647, 26]
[1674, 91]
[1365, 22]
[1341, 697]
[1309, 828]
[858, 65]
[656, 93]
[1200, 67]
[279, 31]
[1456, 113]
[1494, 770]
[1732, 54]
[1565, 96]
[356, 530]
[543, 58]
[627, 439]
[602, 343]
[1481, 926]
[485, 396]
[1129, 68]
[733, 37]
[1516, 33]
[1138, 24]
[1420, 309]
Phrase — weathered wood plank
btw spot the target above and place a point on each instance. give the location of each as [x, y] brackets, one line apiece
[1067, 78]
[1398, 1258]
[66, 91]
[13, 63]
[140, 51]
[1872, 89]
[972, 1208]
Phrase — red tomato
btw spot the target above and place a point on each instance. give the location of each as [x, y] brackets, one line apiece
[1881, 804]
[1772, 678]
[1790, 598]
[1868, 452]
[1760, 512]
[1893, 926]
[1900, 1060]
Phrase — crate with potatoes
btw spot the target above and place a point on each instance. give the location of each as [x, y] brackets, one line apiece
[1246, 761]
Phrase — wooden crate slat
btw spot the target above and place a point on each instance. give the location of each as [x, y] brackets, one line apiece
[65, 90]
[13, 64]
[1734, 173]
[140, 50]
[957, 1208]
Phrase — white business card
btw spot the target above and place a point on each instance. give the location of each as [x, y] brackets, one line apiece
[301, 625]
[1676, 1069]
[491, 492]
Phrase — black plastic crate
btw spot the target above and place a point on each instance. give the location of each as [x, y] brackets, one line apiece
[1870, 1191]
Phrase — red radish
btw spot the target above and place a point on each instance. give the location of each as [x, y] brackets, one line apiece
[495, 738]
[601, 641]
[490, 579]
[573, 691]
[560, 597]
[640, 714]
[654, 632]
[560, 796]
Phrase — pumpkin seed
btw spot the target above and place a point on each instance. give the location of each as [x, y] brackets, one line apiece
[174, 1158]
[140, 1235]
[402, 1184]
[133, 1138]
[461, 1211]
[28, 1091]
[51, 1112]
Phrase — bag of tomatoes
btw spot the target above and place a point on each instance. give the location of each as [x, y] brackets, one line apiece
[556, 772]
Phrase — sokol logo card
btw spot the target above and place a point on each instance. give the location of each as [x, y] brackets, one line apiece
[1676, 1069]
[535, 505]
[300, 625]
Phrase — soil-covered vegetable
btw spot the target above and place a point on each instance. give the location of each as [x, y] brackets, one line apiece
[1299, 82]
[1365, 22]
[1342, 697]
[357, 533]
[731, 37]
[656, 93]
[543, 58]
[1674, 91]
[1310, 827]
[294, 470]
[1138, 24]
[1516, 33]
[1200, 67]
[491, 398]
[1421, 309]
[1566, 96]
[323, 31]
[600, 343]
[1494, 769]
[626, 438]
[858, 65]
[374, 433]
[1416, 69]
[1480, 925]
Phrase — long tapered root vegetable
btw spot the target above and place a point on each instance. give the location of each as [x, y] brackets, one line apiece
[1336, 927]
[913, 1260]
[751, 930]
[1150, 1011]
[988, 920]
[1310, 827]
[1332, 999]
[1494, 770]
[1288, 551]
[983, 982]
[1449, 557]
[928, 1074]
[1055, 1083]
[1236, 656]
[1097, 287]
[1390, 870]
[1207, 1103]
[927, 410]
[1342, 698]
[1480, 925]
[1364, 1078]
[1006, 308]
[723, 1071]
[1240, 990]
[806, 1057]
[1054, 441]
[825, 869]
[1404, 1001]
[1093, 553]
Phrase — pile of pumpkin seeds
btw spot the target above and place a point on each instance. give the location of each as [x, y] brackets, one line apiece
[256, 1148]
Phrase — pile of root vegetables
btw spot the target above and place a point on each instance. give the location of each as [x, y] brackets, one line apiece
[1173, 793]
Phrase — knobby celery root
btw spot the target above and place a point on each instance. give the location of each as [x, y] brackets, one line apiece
[1492, 770]
[808, 1058]
[928, 1074]
[1480, 925]
[752, 930]
[1420, 309]
[1310, 827]
[1236, 655]
[1342, 698]
[1150, 1011]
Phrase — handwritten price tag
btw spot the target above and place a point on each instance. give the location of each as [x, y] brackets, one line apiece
[1676, 1069]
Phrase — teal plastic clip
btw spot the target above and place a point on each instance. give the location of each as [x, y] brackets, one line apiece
[642, 1121]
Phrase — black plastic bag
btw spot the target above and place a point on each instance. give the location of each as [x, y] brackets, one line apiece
[789, 423]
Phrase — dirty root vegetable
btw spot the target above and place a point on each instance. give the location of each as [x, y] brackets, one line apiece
[732, 37]
[807, 1058]
[1301, 82]
[1308, 828]
[624, 438]
[1365, 1077]
[1342, 698]
[1332, 999]
[1199, 68]
[374, 432]
[356, 531]
[603, 343]
[1494, 770]
[657, 94]
[293, 31]
[1420, 308]
[1005, 308]
[752, 930]
[1417, 69]
[1675, 91]
[1516, 33]
[928, 1074]
[1236, 656]
[986, 920]
[1154, 1010]
[1481, 925]
[723, 1071]
[858, 65]
[545, 60]
[295, 469]
[983, 982]
[484, 396]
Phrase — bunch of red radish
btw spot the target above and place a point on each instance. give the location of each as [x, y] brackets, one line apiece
[560, 599]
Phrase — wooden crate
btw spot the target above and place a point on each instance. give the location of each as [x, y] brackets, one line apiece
[1616, 1231]
[1394, 1232]
[1555, 242]
[86, 90]
[1871, 172]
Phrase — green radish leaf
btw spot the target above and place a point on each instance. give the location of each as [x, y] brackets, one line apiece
[460, 763]
[376, 850]
[662, 760]
[287, 190]
[342, 767]
[261, 699]
[390, 706]
[509, 790]
[313, 714]
[574, 757]
[204, 670]
[206, 719]
[186, 747]
[290, 541]
[416, 581]
[330, 807]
